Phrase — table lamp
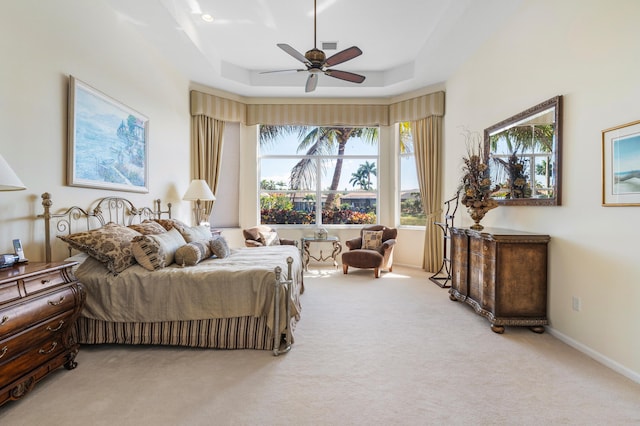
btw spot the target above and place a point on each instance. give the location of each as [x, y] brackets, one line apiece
[9, 181]
[199, 191]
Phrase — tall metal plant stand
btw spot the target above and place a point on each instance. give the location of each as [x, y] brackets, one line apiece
[443, 276]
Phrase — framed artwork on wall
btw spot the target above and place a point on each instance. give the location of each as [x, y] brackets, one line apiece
[621, 165]
[108, 142]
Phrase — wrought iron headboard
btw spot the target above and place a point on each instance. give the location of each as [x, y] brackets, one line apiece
[108, 209]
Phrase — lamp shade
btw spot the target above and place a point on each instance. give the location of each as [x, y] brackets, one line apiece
[9, 181]
[199, 190]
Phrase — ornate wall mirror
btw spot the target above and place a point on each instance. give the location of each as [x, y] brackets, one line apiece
[524, 152]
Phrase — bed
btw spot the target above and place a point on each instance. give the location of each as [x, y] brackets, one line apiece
[189, 290]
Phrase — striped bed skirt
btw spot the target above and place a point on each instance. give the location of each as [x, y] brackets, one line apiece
[220, 333]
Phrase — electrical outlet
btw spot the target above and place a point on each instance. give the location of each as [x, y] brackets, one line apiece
[576, 304]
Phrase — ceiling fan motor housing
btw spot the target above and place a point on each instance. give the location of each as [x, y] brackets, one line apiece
[315, 56]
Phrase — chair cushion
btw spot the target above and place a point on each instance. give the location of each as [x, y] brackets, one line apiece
[362, 258]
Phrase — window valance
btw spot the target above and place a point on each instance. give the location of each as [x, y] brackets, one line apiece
[317, 114]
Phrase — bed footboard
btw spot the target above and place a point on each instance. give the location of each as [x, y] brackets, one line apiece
[282, 342]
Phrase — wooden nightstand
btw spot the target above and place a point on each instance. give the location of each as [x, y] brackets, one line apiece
[39, 303]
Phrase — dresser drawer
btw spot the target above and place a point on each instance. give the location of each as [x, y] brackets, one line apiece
[43, 282]
[9, 292]
[25, 351]
[23, 315]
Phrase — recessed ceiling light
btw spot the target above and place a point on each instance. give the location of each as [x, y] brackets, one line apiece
[206, 17]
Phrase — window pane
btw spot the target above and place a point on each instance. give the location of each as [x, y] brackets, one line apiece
[325, 163]
[351, 208]
[287, 208]
[411, 212]
[356, 174]
[275, 173]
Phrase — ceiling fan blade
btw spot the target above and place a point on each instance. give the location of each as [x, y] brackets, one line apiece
[343, 56]
[345, 75]
[312, 82]
[293, 52]
[283, 71]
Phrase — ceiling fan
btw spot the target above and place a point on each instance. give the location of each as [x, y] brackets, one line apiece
[317, 62]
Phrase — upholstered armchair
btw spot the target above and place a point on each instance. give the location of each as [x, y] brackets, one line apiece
[372, 249]
[262, 235]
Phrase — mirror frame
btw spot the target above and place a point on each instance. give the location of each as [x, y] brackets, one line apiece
[555, 102]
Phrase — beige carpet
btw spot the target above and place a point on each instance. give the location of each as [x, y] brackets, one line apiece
[391, 351]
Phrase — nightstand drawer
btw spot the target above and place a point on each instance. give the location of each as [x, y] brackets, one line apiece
[20, 316]
[43, 282]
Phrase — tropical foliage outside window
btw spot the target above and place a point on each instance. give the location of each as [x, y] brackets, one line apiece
[411, 212]
[318, 175]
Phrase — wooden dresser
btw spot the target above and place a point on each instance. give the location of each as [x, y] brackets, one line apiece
[39, 303]
[502, 274]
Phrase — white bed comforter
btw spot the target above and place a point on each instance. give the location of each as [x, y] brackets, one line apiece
[240, 285]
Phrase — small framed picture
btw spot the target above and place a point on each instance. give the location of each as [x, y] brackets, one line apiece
[621, 165]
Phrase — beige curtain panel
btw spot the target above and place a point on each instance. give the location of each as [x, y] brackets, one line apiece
[206, 152]
[427, 145]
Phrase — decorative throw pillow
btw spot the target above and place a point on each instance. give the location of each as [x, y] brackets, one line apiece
[270, 238]
[196, 233]
[148, 227]
[219, 247]
[371, 240]
[110, 244]
[157, 251]
[171, 223]
[193, 253]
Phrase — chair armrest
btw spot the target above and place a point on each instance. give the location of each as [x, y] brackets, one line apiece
[388, 244]
[354, 243]
[286, 242]
[252, 243]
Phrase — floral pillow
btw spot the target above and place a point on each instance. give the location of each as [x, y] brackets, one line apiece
[371, 240]
[148, 227]
[110, 244]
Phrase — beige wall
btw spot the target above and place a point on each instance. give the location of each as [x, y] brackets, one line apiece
[41, 45]
[588, 52]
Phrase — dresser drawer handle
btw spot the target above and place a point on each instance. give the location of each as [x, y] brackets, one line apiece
[4, 320]
[4, 351]
[57, 328]
[43, 282]
[56, 303]
[53, 346]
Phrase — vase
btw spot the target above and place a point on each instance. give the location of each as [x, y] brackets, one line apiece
[477, 213]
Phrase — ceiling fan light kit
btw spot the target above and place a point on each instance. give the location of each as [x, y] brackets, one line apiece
[316, 61]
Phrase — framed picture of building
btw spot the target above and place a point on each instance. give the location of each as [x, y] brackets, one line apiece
[108, 142]
[621, 165]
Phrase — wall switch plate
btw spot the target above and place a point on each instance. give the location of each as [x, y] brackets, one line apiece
[575, 302]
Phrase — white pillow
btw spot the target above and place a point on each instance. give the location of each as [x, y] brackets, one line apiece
[196, 233]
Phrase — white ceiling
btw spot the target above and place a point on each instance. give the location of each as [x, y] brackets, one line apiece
[407, 44]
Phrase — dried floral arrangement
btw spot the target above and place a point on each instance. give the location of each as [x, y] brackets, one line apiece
[476, 184]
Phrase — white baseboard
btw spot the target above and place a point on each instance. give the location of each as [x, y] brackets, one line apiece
[618, 368]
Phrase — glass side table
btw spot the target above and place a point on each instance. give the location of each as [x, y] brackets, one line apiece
[305, 242]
